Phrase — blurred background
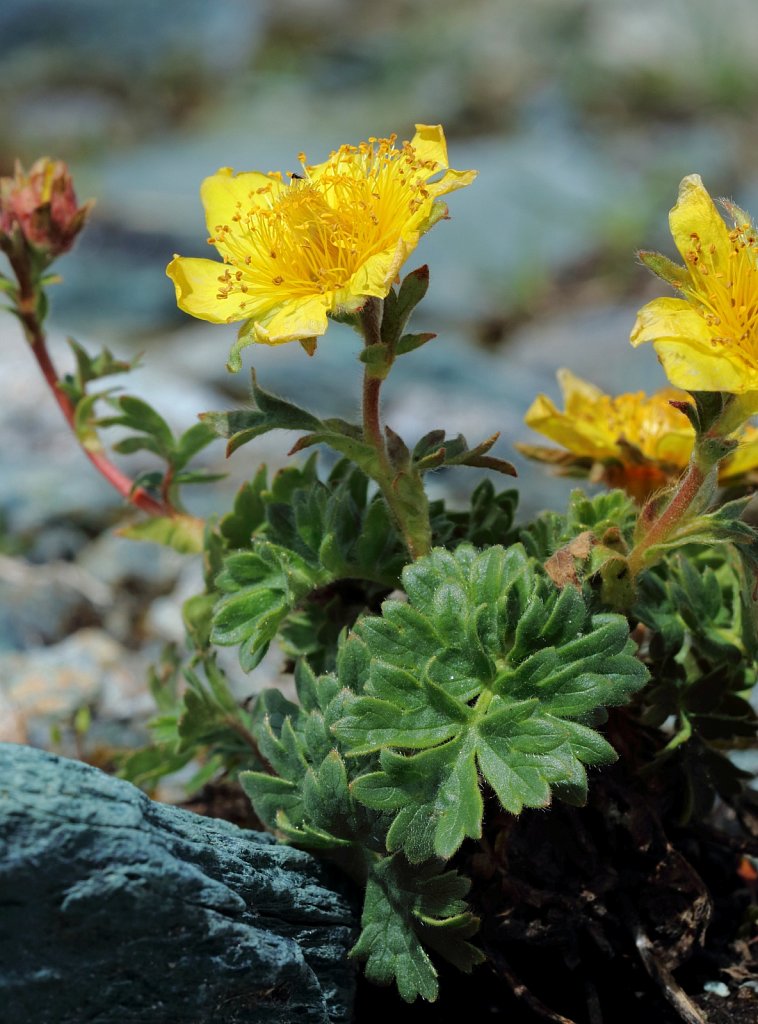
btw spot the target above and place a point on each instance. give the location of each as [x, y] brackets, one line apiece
[581, 117]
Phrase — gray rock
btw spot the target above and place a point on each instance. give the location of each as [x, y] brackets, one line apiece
[117, 909]
[41, 604]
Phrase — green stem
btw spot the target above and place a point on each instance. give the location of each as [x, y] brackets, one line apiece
[417, 541]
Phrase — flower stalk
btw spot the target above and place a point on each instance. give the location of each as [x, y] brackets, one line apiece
[684, 498]
[694, 489]
[136, 496]
[39, 221]
[402, 487]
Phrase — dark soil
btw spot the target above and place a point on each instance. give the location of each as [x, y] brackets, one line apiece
[601, 915]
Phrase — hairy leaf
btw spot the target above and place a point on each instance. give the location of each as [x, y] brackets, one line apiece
[405, 907]
[489, 670]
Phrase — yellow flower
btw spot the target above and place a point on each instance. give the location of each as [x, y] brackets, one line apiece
[742, 465]
[707, 340]
[636, 441]
[321, 243]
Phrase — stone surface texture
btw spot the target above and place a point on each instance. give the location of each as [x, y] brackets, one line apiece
[115, 909]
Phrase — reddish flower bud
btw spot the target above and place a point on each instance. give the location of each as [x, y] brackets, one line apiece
[41, 206]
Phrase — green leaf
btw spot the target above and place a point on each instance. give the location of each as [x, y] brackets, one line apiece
[210, 714]
[260, 588]
[302, 536]
[410, 342]
[135, 414]
[269, 412]
[404, 906]
[182, 533]
[270, 796]
[248, 512]
[191, 442]
[698, 606]
[197, 612]
[712, 529]
[435, 450]
[89, 368]
[489, 669]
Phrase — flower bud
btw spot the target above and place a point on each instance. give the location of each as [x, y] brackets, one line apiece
[39, 209]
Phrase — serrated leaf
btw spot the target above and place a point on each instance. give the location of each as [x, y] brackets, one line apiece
[261, 587]
[269, 412]
[402, 905]
[490, 666]
[135, 414]
[270, 795]
[435, 450]
[302, 535]
[248, 511]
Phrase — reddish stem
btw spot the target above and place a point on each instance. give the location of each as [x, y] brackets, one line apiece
[689, 488]
[137, 496]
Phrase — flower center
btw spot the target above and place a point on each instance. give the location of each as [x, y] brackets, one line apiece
[311, 237]
[728, 293]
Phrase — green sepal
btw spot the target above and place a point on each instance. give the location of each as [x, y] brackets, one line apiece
[666, 269]
[399, 305]
[709, 406]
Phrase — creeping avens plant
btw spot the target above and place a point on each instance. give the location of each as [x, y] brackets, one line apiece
[444, 661]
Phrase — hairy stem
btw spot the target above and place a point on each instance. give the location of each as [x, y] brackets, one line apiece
[687, 491]
[416, 541]
[138, 496]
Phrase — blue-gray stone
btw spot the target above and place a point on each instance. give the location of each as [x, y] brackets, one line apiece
[115, 909]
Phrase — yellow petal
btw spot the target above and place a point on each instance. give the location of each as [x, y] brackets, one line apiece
[450, 181]
[577, 393]
[695, 214]
[375, 276]
[226, 194]
[674, 448]
[738, 412]
[293, 320]
[695, 368]
[666, 318]
[540, 411]
[745, 458]
[197, 290]
[429, 144]
[582, 437]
